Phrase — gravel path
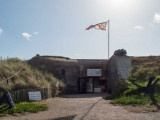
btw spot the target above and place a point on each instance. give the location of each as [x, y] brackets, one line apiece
[84, 107]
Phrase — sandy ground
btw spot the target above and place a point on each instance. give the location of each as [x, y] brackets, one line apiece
[84, 107]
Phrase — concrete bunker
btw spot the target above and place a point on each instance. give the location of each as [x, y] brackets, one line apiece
[85, 75]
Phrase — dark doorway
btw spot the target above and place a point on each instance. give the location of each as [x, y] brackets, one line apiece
[91, 84]
[82, 86]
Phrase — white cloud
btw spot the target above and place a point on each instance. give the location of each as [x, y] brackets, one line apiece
[1, 31]
[26, 35]
[157, 18]
[35, 33]
[138, 27]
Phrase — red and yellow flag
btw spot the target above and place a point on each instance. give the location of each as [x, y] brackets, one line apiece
[99, 26]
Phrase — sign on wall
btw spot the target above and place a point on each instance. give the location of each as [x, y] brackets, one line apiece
[36, 95]
[94, 72]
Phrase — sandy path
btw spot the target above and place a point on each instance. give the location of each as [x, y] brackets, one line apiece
[84, 107]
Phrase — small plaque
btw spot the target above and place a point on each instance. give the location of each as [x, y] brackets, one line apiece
[35, 95]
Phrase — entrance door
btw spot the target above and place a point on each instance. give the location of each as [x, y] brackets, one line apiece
[82, 86]
[89, 85]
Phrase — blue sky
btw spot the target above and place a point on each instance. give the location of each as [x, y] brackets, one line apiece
[57, 27]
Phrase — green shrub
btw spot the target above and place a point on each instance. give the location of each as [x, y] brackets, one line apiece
[142, 74]
[132, 100]
[22, 107]
[121, 86]
[129, 94]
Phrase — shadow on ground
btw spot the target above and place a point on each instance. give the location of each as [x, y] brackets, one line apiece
[65, 118]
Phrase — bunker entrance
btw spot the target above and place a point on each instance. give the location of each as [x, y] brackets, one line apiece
[92, 85]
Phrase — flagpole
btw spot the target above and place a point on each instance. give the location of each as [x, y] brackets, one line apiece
[108, 39]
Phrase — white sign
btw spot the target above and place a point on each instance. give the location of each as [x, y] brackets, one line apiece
[94, 72]
[98, 90]
[35, 95]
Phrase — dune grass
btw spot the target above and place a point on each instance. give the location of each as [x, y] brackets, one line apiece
[28, 77]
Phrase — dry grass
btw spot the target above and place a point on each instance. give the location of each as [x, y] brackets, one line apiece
[147, 61]
[28, 77]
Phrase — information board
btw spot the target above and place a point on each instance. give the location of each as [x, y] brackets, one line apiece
[36, 95]
[94, 72]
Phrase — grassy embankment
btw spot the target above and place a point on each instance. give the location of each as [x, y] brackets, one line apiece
[128, 94]
[28, 77]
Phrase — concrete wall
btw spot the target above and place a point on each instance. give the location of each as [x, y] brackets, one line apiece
[68, 70]
[118, 67]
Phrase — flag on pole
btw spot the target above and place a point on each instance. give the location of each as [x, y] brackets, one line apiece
[99, 26]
